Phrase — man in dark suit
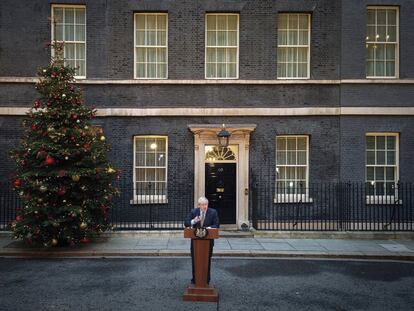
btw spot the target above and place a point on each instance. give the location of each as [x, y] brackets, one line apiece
[202, 216]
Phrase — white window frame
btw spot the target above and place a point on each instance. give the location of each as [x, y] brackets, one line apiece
[220, 46]
[384, 199]
[293, 198]
[52, 32]
[397, 46]
[155, 198]
[152, 46]
[297, 46]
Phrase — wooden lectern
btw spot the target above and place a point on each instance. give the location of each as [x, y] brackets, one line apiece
[201, 291]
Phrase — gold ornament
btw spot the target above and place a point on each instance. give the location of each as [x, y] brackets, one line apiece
[103, 138]
[75, 178]
[43, 188]
[110, 170]
[54, 242]
[83, 225]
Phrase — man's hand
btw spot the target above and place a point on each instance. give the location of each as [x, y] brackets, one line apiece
[196, 219]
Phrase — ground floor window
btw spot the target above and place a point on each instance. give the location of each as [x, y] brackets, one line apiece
[150, 169]
[381, 166]
[292, 167]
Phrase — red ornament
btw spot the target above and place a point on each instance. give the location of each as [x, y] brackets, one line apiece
[34, 127]
[83, 134]
[48, 104]
[61, 190]
[86, 146]
[62, 173]
[36, 104]
[50, 160]
[19, 218]
[85, 240]
[74, 116]
[17, 182]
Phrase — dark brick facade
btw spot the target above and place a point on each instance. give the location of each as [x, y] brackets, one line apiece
[337, 143]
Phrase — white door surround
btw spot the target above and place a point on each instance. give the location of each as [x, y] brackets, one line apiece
[206, 134]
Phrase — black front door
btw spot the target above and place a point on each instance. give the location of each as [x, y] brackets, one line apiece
[221, 190]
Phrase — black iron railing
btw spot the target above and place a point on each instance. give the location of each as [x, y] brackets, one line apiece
[333, 207]
[318, 207]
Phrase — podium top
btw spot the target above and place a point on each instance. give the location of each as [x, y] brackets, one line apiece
[213, 233]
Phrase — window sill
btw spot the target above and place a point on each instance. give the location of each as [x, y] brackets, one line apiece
[149, 200]
[377, 200]
[292, 199]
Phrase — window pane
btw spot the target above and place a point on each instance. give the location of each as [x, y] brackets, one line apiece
[58, 15]
[370, 142]
[381, 142]
[232, 56]
[370, 173]
[211, 22]
[290, 172]
[302, 70]
[80, 33]
[291, 157]
[151, 22]
[151, 55]
[161, 38]
[381, 33]
[379, 173]
[232, 38]
[162, 22]
[281, 143]
[304, 22]
[291, 143]
[380, 157]
[81, 71]
[293, 21]
[221, 38]
[140, 159]
[281, 157]
[392, 34]
[150, 159]
[160, 174]
[380, 52]
[231, 71]
[282, 37]
[160, 159]
[371, 17]
[140, 174]
[390, 173]
[381, 17]
[302, 157]
[150, 174]
[161, 71]
[390, 69]
[140, 21]
[232, 22]
[391, 142]
[221, 55]
[80, 16]
[69, 16]
[221, 22]
[69, 51]
[301, 173]
[59, 33]
[371, 157]
[391, 157]
[80, 51]
[211, 38]
[371, 33]
[211, 70]
[69, 32]
[303, 38]
[221, 70]
[151, 38]
[282, 21]
[281, 172]
[141, 70]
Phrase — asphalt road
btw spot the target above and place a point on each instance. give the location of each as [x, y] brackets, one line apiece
[244, 284]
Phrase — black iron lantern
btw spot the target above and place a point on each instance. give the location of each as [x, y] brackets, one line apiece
[223, 137]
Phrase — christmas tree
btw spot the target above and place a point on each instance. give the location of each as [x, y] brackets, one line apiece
[63, 176]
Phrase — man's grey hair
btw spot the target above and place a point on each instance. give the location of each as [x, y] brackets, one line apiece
[202, 200]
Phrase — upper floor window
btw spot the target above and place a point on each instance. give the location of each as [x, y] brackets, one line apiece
[292, 168]
[381, 164]
[222, 46]
[69, 26]
[382, 42]
[150, 169]
[151, 45]
[293, 41]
